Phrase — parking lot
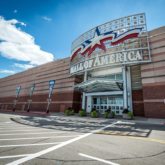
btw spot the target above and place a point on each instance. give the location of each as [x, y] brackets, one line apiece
[88, 143]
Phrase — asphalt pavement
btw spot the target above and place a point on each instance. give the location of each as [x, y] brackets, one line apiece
[67, 141]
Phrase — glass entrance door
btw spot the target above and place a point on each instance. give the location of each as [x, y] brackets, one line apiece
[102, 103]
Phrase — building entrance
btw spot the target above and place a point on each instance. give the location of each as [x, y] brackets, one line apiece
[102, 103]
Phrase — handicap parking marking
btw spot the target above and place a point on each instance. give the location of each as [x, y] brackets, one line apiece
[98, 159]
[55, 147]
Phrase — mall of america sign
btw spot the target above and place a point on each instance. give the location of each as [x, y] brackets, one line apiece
[122, 41]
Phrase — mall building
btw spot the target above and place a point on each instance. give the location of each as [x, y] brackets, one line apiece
[116, 65]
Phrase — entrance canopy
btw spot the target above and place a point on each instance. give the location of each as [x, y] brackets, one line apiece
[100, 85]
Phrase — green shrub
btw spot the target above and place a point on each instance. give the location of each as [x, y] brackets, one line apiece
[94, 114]
[113, 114]
[69, 112]
[110, 114]
[106, 114]
[130, 114]
[82, 112]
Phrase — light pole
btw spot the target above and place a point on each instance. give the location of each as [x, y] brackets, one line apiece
[18, 89]
[51, 87]
[30, 96]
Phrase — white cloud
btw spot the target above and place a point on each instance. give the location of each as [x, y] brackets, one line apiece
[18, 45]
[47, 18]
[4, 71]
[23, 66]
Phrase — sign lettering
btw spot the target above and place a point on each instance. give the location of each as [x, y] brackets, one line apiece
[104, 60]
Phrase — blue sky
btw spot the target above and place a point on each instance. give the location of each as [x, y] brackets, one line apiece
[52, 25]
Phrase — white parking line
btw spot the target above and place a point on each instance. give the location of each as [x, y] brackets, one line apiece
[26, 145]
[30, 133]
[7, 125]
[98, 159]
[53, 148]
[14, 156]
[5, 122]
[13, 128]
[47, 137]
[23, 130]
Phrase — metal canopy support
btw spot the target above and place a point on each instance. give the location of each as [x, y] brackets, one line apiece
[83, 96]
[125, 87]
[129, 88]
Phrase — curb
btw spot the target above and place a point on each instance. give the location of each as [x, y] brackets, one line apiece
[24, 123]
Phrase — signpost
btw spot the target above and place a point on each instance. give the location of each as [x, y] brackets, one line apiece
[18, 89]
[51, 87]
[30, 95]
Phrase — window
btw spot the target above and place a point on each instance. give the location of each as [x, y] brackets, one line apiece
[94, 100]
[119, 76]
[103, 100]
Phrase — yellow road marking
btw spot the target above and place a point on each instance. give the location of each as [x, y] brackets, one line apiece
[149, 139]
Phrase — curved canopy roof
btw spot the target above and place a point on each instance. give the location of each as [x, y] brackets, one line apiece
[100, 85]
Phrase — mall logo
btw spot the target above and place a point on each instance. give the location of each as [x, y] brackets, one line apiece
[88, 46]
[124, 57]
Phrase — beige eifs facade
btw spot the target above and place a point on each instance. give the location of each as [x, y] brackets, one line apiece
[148, 84]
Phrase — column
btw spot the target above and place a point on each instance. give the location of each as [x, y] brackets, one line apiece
[83, 96]
[129, 88]
[125, 97]
[89, 102]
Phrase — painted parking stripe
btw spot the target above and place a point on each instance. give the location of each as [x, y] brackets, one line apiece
[12, 127]
[47, 137]
[14, 156]
[26, 145]
[6, 122]
[53, 148]
[22, 130]
[7, 125]
[30, 133]
[98, 159]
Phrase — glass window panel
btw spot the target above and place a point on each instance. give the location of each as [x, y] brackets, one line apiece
[113, 107]
[103, 100]
[119, 76]
[94, 100]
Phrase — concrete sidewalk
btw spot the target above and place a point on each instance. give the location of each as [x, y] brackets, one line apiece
[87, 118]
[102, 119]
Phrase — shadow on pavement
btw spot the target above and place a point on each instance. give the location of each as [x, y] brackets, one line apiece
[122, 128]
[63, 124]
